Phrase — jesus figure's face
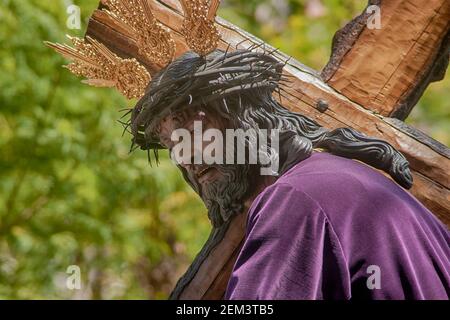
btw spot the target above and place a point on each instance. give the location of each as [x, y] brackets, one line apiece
[222, 187]
[201, 174]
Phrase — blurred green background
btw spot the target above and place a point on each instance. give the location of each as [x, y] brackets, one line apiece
[70, 194]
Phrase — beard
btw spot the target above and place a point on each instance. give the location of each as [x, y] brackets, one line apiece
[224, 196]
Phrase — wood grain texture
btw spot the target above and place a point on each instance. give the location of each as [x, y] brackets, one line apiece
[430, 160]
[387, 70]
[212, 277]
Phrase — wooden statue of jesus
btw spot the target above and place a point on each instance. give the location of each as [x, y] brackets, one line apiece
[326, 224]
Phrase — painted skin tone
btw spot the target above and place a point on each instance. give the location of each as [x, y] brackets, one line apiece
[201, 173]
[204, 174]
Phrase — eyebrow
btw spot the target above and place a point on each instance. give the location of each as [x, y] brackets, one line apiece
[181, 120]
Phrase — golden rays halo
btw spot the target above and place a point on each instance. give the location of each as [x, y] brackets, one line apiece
[103, 68]
[154, 41]
[199, 29]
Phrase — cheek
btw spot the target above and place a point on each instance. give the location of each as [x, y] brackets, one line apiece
[166, 133]
[165, 128]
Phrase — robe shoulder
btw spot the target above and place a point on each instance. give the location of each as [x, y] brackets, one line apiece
[326, 224]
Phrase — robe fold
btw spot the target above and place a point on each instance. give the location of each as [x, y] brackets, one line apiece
[334, 228]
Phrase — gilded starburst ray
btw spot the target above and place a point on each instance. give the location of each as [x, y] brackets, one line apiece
[199, 29]
[102, 68]
[155, 43]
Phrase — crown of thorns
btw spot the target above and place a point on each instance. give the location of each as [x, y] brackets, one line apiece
[214, 77]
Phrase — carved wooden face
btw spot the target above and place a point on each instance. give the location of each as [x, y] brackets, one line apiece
[200, 172]
[222, 187]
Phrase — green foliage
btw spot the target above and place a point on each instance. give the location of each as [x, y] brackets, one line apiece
[432, 113]
[70, 192]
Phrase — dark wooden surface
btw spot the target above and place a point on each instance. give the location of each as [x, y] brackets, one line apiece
[430, 160]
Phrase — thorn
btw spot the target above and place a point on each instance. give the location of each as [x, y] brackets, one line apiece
[273, 51]
[289, 59]
[126, 113]
[228, 47]
[225, 104]
[125, 127]
[149, 158]
[256, 46]
[132, 146]
[239, 43]
[155, 153]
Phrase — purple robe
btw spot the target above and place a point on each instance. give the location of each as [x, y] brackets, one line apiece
[334, 228]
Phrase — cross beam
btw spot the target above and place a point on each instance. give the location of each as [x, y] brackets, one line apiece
[358, 88]
[387, 70]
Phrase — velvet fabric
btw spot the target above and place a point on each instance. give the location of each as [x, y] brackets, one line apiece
[334, 228]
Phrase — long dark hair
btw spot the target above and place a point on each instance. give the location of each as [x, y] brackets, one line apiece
[239, 86]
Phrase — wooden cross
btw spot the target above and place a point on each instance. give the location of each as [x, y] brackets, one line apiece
[371, 83]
